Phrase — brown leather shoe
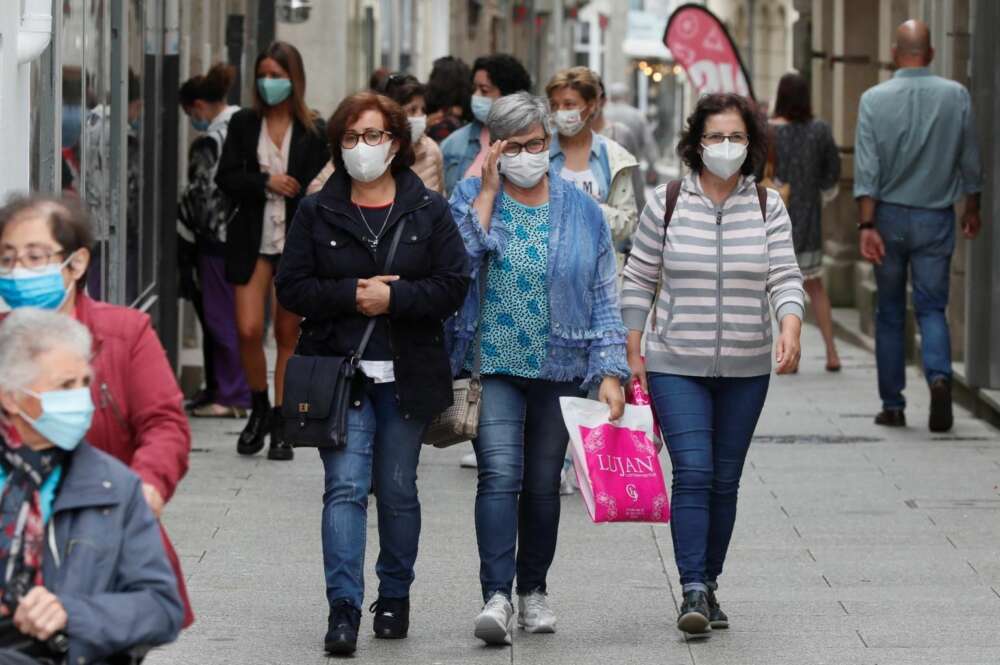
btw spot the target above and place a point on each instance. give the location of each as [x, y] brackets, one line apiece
[891, 418]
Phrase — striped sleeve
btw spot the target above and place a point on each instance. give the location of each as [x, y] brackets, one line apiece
[642, 271]
[784, 280]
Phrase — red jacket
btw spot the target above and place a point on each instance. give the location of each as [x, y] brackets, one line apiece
[139, 416]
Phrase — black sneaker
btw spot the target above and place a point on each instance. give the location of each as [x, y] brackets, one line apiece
[252, 437]
[693, 619]
[342, 631]
[891, 418]
[941, 418]
[392, 617]
[716, 617]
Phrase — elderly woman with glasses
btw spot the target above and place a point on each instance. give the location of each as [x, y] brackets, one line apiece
[83, 573]
[335, 274]
[549, 326]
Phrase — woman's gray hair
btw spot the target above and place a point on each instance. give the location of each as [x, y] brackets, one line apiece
[516, 114]
[27, 333]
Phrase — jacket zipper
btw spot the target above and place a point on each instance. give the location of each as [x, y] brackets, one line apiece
[718, 291]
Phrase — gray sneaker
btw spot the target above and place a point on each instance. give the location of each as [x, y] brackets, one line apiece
[495, 623]
[534, 614]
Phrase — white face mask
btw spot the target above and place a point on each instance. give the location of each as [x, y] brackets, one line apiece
[418, 125]
[481, 105]
[525, 170]
[568, 123]
[724, 159]
[366, 163]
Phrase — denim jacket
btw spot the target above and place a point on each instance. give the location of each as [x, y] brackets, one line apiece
[459, 150]
[587, 336]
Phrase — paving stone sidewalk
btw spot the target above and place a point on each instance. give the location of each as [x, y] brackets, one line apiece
[854, 545]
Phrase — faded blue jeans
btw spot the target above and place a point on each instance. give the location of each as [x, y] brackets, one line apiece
[918, 243]
[707, 424]
[520, 449]
[383, 445]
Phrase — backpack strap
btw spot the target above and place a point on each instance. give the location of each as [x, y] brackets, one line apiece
[673, 192]
[762, 197]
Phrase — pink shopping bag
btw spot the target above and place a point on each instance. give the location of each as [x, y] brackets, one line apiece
[634, 394]
[617, 465]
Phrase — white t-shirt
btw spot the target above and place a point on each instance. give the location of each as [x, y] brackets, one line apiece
[379, 371]
[585, 181]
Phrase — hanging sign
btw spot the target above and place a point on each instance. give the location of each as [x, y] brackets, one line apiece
[702, 45]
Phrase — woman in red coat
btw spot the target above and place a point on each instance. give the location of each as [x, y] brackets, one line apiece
[45, 248]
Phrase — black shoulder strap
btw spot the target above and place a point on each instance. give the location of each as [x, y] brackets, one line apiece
[673, 193]
[370, 328]
[762, 197]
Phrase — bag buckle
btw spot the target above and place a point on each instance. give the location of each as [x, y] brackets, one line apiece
[303, 407]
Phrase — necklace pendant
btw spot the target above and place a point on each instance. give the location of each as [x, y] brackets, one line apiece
[373, 243]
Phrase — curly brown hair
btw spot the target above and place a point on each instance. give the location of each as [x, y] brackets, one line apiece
[396, 123]
[689, 146]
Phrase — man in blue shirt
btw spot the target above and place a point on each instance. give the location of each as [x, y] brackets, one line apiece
[915, 155]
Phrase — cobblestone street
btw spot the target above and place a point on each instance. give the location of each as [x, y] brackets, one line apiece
[854, 545]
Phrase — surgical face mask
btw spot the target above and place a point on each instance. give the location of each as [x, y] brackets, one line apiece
[43, 289]
[366, 163]
[200, 125]
[568, 123]
[274, 91]
[66, 416]
[525, 170]
[724, 159]
[418, 125]
[481, 106]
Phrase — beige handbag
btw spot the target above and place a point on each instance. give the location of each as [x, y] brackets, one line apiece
[460, 421]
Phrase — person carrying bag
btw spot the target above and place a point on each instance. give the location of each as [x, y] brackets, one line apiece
[380, 336]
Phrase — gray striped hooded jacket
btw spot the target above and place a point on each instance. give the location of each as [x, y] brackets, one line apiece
[719, 267]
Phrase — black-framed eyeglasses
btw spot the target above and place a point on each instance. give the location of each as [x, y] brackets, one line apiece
[34, 258]
[716, 138]
[370, 136]
[533, 147]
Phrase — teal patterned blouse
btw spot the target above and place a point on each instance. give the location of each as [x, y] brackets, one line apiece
[516, 310]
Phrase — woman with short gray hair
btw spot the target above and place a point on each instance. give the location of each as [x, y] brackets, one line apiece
[541, 322]
[84, 577]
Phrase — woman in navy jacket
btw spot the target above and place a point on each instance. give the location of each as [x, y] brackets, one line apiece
[87, 565]
[334, 274]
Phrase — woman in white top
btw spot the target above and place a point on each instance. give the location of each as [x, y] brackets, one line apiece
[271, 153]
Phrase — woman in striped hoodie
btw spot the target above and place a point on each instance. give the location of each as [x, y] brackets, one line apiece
[718, 248]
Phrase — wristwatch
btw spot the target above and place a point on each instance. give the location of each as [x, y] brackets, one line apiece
[864, 226]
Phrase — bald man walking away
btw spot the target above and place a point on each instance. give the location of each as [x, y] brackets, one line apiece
[915, 156]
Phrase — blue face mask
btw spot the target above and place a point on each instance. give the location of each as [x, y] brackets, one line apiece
[200, 125]
[66, 416]
[481, 106]
[28, 288]
[274, 91]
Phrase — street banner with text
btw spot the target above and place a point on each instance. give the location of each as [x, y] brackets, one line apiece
[702, 45]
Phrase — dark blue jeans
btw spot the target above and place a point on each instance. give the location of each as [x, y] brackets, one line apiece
[381, 443]
[707, 424]
[520, 450]
[919, 242]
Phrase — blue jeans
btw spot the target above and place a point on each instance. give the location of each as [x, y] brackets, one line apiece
[520, 450]
[707, 424]
[921, 242]
[381, 443]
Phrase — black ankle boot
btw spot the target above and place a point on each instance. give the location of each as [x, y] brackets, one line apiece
[342, 629]
[252, 437]
[280, 449]
[693, 619]
[392, 617]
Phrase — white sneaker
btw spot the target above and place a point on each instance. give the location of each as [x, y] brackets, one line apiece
[534, 614]
[495, 623]
[469, 461]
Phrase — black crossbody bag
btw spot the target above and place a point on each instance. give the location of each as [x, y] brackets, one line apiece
[319, 390]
